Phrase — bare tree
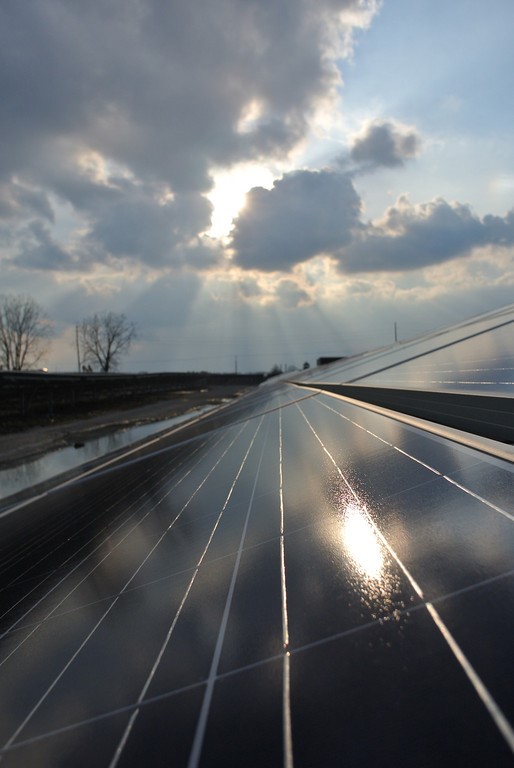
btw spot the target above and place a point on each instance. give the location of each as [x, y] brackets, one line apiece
[24, 332]
[104, 339]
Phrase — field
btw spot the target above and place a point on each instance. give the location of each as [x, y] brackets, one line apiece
[24, 436]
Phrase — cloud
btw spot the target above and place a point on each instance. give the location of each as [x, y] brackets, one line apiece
[385, 144]
[122, 219]
[290, 295]
[249, 288]
[162, 87]
[304, 214]
[17, 200]
[122, 112]
[117, 117]
[410, 237]
[138, 225]
[312, 213]
[39, 251]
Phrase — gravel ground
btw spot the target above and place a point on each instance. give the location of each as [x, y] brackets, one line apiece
[18, 447]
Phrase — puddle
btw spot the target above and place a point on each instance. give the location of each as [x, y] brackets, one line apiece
[50, 465]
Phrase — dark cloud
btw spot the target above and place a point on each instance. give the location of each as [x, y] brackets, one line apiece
[304, 214]
[411, 237]
[39, 251]
[166, 303]
[308, 213]
[161, 87]
[17, 200]
[290, 295]
[116, 107]
[201, 253]
[150, 230]
[249, 288]
[385, 143]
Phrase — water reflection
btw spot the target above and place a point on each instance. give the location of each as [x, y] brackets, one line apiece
[55, 463]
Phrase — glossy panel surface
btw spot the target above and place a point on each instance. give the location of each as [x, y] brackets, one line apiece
[298, 582]
[475, 356]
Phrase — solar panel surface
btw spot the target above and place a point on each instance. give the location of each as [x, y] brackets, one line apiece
[294, 580]
[474, 356]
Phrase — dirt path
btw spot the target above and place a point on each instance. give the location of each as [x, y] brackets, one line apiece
[18, 447]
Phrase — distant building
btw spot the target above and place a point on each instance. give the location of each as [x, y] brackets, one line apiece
[327, 360]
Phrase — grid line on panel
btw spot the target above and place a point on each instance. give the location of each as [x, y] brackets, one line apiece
[286, 683]
[50, 532]
[492, 707]
[130, 725]
[95, 719]
[398, 614]
[201, 726]
[26, 720]
[238, 670]
[381, 439]
[485, 696]
[69, 572]
[448, 479]
[81, 563]
[128, 591]
[104, 510]
[490, 504]
[144, 584]
[101, 467]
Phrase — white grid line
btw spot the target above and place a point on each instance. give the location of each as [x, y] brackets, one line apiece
[100, 468]
[201, 725]
[455, 649]
[81, 563]
[448, 479]
[128, 729]
[140, 482]
[262, 662]
[28, 717]
[485, 696]
[286, 674]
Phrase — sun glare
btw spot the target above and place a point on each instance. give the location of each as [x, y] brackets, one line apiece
[362, 543]
[229, 193]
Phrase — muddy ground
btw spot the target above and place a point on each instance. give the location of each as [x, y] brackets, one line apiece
[20, 446]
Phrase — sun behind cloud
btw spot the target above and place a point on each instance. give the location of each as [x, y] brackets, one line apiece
[228, 195]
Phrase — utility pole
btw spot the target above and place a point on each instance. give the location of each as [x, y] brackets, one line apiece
[78, 347]
[395, 332]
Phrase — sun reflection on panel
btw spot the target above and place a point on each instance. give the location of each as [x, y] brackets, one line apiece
[367, 563]
[361, 543]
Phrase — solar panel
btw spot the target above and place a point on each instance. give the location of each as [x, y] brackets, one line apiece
[482, 362]
[476, 356]
[295, 580]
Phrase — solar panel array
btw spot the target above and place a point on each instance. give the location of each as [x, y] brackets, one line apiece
[476, 356]
[293, 581]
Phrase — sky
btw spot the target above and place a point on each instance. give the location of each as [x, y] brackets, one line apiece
[256, 182]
